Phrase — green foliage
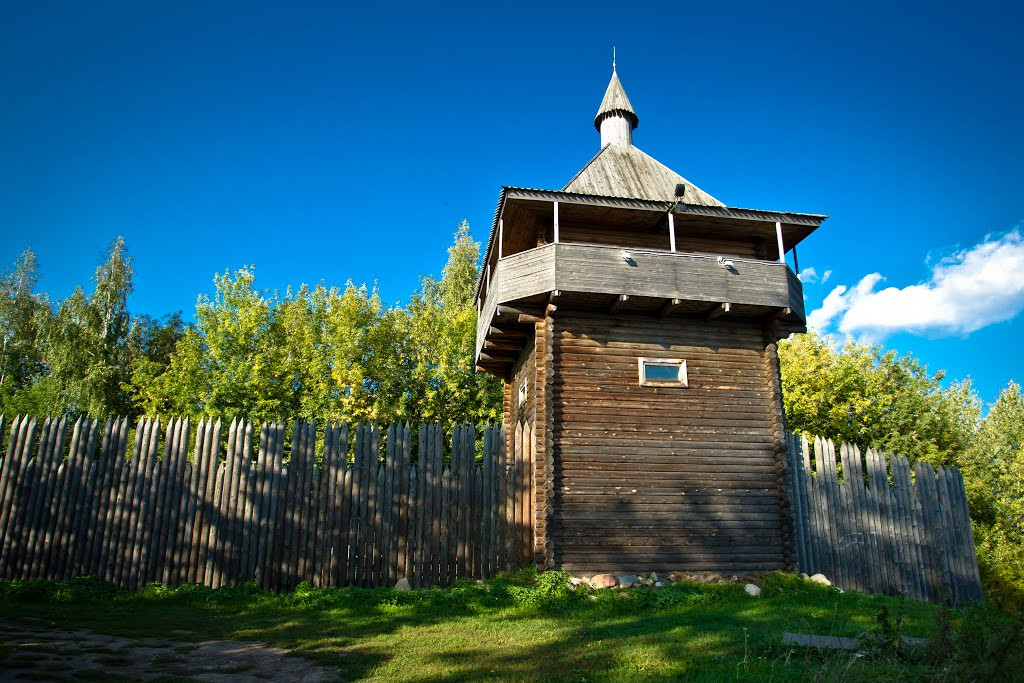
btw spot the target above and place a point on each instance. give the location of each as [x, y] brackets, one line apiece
[78, 358]
[87, 350]
[517, 626]
[874, 398]
[24, 316]
[329, 353]
[980, 643]
[441, 336]
[993, 469]
[877, 399]
[314, 352]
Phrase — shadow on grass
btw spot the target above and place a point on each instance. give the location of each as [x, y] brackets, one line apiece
[503, 630]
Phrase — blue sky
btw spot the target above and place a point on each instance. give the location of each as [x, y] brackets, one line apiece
[324, 142]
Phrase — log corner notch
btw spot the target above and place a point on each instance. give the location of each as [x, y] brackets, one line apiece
[548, 444]
[780, 444]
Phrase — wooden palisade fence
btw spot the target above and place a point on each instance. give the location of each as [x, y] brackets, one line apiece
[74, 500]
[879, 530]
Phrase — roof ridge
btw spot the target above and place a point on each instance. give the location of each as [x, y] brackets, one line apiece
[585, 167]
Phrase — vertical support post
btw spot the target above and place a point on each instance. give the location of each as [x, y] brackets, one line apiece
[501, 236]
[556, 222]
[796, 261]
[778, 235]
[671, 232]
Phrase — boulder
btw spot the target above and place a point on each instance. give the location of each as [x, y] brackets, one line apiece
[804, 576]
[752, 590]
[604, 581]
[658, 584]
[403, 584]
[820, 578]
[628, 580]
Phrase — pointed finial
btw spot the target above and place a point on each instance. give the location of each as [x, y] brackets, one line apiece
[613, 59]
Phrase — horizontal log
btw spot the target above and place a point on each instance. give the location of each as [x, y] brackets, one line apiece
[568, 459]
[646, 419]
[675, 443]
[610, 535]
[654, 527]
[670, 496]
[653, 480]
[637, 555]
[564, 467]
[696, 566]
[694, 515]
[679, 402]
[628, 392]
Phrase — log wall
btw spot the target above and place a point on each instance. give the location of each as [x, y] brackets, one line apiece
[663, 478]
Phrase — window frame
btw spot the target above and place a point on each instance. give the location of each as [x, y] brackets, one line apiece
[682, 378]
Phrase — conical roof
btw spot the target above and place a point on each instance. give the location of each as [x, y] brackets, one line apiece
[615, 100]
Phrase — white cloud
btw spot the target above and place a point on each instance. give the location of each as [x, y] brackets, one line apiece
[967, 291]
[808, 275]
[825, 276]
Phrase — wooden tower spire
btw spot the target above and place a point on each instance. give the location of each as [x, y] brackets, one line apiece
[616, 118]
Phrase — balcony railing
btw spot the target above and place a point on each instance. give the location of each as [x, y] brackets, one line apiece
[650, 274]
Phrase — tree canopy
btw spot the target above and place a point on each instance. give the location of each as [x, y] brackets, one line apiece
[874, 398]
[993, 469]
[329, 353]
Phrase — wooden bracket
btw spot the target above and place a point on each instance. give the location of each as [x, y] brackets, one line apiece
[522, 315]
[717, 311]
[778, 313]
[501, 345]
[498, 356]
[511, 333]
[623, 298]
[670, 305]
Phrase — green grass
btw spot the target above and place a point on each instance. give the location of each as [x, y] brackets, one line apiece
[525, 626]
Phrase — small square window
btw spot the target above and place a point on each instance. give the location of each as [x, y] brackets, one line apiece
[662, 372]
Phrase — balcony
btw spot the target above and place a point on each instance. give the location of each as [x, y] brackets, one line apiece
[662, 283]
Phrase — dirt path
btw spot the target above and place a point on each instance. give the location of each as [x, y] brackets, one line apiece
[46, 652]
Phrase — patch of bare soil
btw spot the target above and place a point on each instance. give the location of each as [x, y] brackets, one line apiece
[47, 653]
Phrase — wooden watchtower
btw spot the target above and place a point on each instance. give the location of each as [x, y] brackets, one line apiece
[634, 320]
